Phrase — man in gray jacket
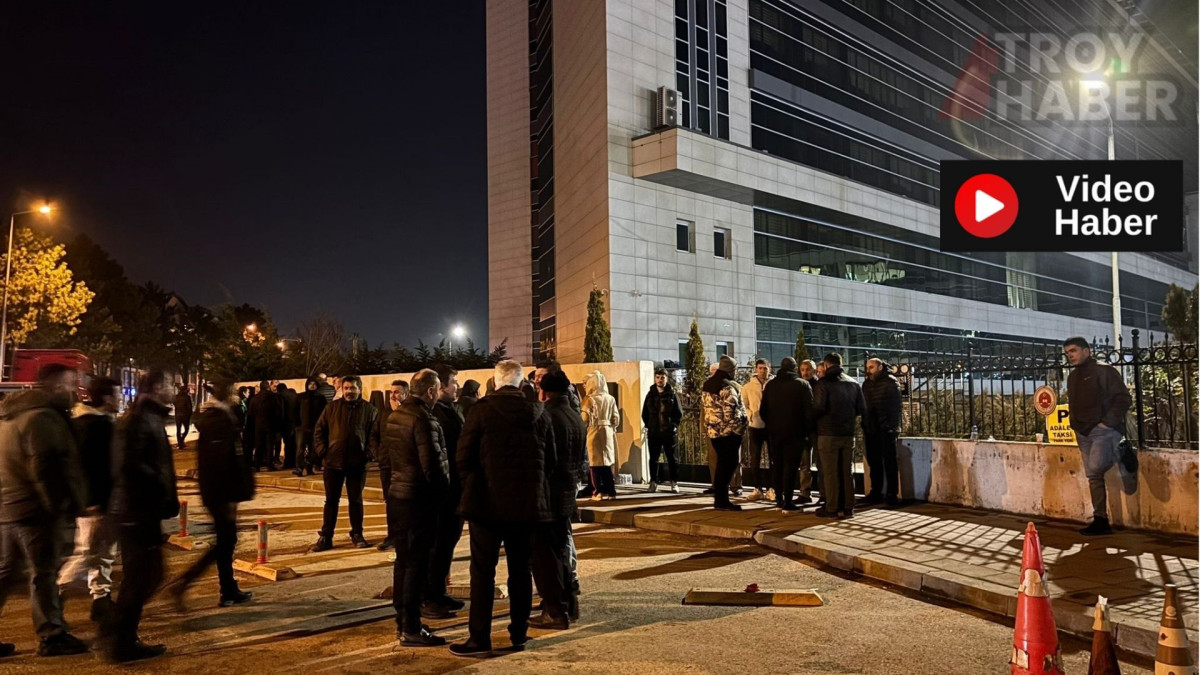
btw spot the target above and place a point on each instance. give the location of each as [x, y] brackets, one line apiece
[837, 401]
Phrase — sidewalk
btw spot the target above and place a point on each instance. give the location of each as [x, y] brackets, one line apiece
[968, 556]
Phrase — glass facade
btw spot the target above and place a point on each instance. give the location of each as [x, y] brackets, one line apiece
[702, 65]
[541, 174]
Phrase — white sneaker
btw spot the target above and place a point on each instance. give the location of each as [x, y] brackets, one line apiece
[653, 487]
[755, 495]
[674, 487]
[771, 494]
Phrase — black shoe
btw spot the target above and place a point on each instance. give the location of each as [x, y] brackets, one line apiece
[102, 608]
[237, 597]
[298, 472]
[423, 638]
[892, 501]
[803, 499]
[546, 621]
[707, 491]
[517, 645]
[134, 651]
[848, 513]
[7, 649]
[471, 650]
[452, 604]
[727, 507]
[824, 513]
[309, 471]
[1098, 527]
[789, 507]
[431, 610]
[386, 545]
[359, 541]
[573, 607]
[63, 644]
[873, 498]
[736, 492]
[322, 544]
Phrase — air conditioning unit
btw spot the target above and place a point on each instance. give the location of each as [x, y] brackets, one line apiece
[666, 108]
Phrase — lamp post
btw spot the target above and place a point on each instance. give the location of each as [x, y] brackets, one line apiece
[1102, 85]
[45, 210]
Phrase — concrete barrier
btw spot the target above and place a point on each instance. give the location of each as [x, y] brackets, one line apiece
[1048, 480]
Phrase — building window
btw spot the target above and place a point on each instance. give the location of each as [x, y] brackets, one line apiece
[683, 349]
[722, 243]
[685, 236]
[724, 349]
[702, 65]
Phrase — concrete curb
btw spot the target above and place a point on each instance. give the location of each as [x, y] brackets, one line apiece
[807, 597]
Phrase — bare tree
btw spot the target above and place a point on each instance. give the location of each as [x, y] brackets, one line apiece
[324, 343]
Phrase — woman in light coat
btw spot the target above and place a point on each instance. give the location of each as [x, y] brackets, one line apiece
[602, 417]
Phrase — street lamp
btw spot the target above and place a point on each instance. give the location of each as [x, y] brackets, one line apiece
[45, 210]
[1102, 86]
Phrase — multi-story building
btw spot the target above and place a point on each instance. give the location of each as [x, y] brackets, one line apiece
[800, 186]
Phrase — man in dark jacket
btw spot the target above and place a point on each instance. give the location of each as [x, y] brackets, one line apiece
[808, 373]
[395, 398]
[449, 523]
[467, 398]
[287, 424]
[881, 428]
[787, 410]
[346, 438]
[837, 401]
[143, 496]
[325, 389]
[554, 567]
[413, 440]
[661, 415]
[264, 414]
[1099, 401]
[226, 479]
[503, 463]
[308, 408]
[95, 540]
[41, 492]
[183, 413]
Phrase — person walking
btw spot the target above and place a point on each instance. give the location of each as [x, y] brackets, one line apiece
[183, 413]
[1099, 401]
[468, 397]
[881, 428]
[42, 489]
[309, 405]
[95, 539]
[144, 495]
[397, 393]
[837, 401]
[287, 424]
[263, 419]
[601, 415]
[449, 525]
[661, 415]
[413, 440]
[724, 423]
[756, 432]
[787, 410]
[346, 438]
[504, 458]
[226, 479]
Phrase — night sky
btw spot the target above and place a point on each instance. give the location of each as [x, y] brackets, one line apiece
[304, 157]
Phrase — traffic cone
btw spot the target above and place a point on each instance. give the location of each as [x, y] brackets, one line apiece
[1104, 650]
[1035, 639]
[1173, 656]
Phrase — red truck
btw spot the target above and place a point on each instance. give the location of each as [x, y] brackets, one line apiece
[27, 362]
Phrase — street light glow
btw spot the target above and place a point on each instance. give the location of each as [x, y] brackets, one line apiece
[45, 209]
[458, 332]
[251, 327]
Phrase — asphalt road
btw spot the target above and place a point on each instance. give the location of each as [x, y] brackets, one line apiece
[328, 620]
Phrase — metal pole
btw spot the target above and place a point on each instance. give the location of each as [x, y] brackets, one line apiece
[1137, 392]
[970, 390]
[1116, 270]
[4, 313]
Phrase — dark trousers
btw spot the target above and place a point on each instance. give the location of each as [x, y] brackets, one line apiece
[385, 482]
[486, 539]
[354, 480]
[41, 546]
[755, 440]
[881, 462]
[662, 444]
[182, 427]
[306, 455]
[141, 555]
[289, 450]
[264, 447]
[449, 529]
[225, 523]
[552, 565]
[414, 540]
[837, 479]
[726, 449]
[603, 482]
[789, 455]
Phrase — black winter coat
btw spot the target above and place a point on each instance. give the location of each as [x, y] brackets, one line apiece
[787, 407]
[416, 451]
[94, 435]
[39, 464]
[570, 436]
[838, 400]
[882, 396]
[183, 406]
[465, 403]
[346, 435]
[265, 413]
[144, 487]
[1097, 394]
[503, 461]
[451, 421]
[287, 403]
[661, 411]
[308, 409]
[225, 475]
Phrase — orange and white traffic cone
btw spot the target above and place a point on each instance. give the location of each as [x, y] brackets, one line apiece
[1035, 638]
[1173, 656]
[1104, 649]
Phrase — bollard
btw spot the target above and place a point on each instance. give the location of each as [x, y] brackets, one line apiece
[262, 542]
[183, 518]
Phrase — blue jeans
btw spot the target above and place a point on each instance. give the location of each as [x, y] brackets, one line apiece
[1100, 452]
[40, 546]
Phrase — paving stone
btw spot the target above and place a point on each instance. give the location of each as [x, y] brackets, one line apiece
[891, 570]
[973, 592]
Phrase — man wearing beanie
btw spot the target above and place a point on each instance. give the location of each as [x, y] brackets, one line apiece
[724, 423]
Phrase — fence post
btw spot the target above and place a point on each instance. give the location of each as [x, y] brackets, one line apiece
[1137, 392]
[970, 388]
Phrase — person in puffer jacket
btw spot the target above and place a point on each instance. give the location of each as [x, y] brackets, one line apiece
[602, 417]
[724, 423]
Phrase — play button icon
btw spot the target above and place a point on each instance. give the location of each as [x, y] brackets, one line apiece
[986, 205]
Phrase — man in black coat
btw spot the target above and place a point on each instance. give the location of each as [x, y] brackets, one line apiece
[413, 440]
[395, 397]
[449, 524]
[307, 410]
[787, 410]
[661, 415]
[263, 418]
[881, 428]
[287, 426]
[41, 491]
[346, 438]
[144, 495]
[808, 372]
[503, 462]
[183, 413]
[554, 567]
[837, 401]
